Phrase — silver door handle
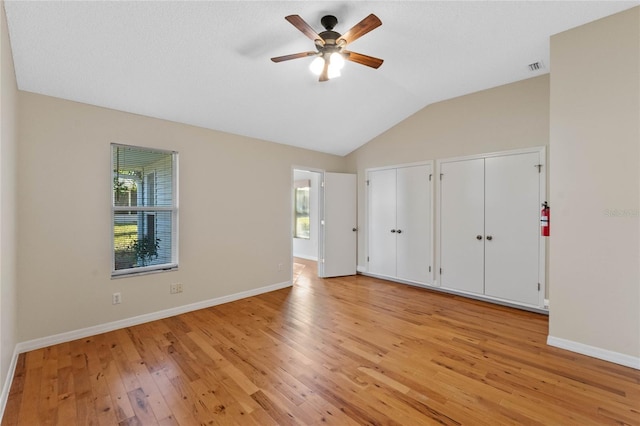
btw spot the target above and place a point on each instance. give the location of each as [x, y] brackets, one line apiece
[489, 237]
[478, 237]
[355, 229]
[399, 231]
[393, 230]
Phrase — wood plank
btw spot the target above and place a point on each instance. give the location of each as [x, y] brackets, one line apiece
[29, 407]
[110, 375]
[180, 412]
[277, 413]
[141, 407]
[66, 393]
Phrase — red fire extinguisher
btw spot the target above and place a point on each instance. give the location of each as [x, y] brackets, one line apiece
[545, 220]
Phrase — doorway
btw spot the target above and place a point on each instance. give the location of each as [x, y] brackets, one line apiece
[324, 220]
[306, 214]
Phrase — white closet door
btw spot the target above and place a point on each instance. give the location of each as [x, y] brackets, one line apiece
[413, 223]
[382, 221]
[461, 223]
[340, 220]
[512, 206]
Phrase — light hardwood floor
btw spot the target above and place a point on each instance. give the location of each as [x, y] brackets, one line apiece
[352, 350]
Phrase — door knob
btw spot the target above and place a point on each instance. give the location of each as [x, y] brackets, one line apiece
[354, 229]
[489, 237]
[478, 237]
[393, 230]
[399, 231]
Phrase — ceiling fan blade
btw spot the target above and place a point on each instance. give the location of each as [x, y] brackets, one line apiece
[359, 58]
[324, 76]
[305, 28]
[369, 23]
[293, 56]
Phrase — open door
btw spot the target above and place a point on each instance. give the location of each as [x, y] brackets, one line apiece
[339, 226]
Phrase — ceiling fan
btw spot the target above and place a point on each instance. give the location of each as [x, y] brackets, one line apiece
[331, 53]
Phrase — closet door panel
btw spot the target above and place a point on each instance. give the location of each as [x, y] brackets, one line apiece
[414, 223]
[382, 219]
[461, 222]
[512, 207]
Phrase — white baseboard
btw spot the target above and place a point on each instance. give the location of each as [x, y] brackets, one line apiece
[6, 387]
[595, 352]
[140, 319]
[361, 269]
[435, 287]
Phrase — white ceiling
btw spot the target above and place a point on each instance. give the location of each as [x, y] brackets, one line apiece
[207, 63]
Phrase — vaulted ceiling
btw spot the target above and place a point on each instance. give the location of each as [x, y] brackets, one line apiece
[208, 63]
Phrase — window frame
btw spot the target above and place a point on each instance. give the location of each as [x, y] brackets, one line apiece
[174, 208]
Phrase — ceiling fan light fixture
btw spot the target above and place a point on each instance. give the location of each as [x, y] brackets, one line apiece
[336, 60]
[336, 63]
[317, 65]
[333, 72]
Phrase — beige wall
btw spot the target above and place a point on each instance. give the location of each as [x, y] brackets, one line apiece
[235, 214]
[503, 118]
[595, 184]
[8, 146]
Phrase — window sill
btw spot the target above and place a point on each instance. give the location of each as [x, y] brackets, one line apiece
[135, 273]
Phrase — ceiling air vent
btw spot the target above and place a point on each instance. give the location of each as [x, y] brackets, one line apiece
[536, 66]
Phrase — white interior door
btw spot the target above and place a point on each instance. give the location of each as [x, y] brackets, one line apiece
[382, 222]
[413, 232]
[462, 225]
[512, 204]
[340, 222]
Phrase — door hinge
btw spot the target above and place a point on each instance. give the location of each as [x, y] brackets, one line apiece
[429, 268]
[440, 271]
[367, 258]
[368, 182]
[441, 174]
[322, 184]
[539, 166]
[538, 286]
[430, 177]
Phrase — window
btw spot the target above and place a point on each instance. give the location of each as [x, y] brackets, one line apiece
[301, 209]
[144, 209]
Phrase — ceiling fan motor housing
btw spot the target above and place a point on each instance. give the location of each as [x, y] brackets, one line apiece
[329, 22]
[329, 36]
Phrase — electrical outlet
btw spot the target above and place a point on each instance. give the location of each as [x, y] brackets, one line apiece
[116, 298]
[175, 288]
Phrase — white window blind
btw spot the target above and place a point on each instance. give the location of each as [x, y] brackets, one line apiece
[144, 209]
